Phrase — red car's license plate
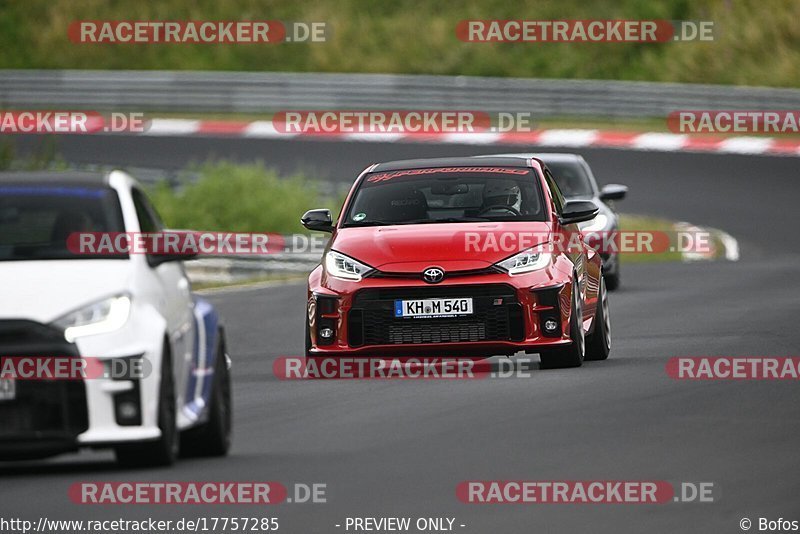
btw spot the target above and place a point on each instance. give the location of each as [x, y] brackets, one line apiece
[452, 307]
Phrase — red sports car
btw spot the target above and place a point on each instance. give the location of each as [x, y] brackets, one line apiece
[466, 257]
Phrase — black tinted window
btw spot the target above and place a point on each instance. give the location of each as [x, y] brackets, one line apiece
[148, 219]
[36, 220]
[555, 191]
[572, 179]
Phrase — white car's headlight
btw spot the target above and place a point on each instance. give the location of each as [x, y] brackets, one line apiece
[526, 261]
[595, 225]
[340, 266]
[98, 317]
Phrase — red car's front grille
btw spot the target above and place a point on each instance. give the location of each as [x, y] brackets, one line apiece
[497, 316]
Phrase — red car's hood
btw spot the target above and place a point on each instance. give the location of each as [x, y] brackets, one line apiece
[452, 246]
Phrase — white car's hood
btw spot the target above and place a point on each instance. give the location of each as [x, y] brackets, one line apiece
[45, 290]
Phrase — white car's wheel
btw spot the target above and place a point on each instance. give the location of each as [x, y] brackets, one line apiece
[213, 438]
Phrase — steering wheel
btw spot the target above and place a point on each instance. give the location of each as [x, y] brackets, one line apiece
[509, 209]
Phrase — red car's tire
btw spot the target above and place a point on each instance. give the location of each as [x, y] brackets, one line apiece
[598, 344]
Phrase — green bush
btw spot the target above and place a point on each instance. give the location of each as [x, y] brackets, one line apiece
[43, 156]
[239, 198]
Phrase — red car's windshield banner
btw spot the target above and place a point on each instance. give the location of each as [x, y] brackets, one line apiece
[383, 176]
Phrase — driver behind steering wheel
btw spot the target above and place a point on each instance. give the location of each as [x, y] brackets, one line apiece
[502, 196]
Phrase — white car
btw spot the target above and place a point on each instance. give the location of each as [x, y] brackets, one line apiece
[133, 311]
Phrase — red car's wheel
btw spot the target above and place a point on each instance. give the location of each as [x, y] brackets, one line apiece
[598, 344]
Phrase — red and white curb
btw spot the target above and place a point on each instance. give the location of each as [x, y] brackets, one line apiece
[574, 138]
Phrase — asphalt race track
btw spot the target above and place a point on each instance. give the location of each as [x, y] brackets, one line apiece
[400, 448]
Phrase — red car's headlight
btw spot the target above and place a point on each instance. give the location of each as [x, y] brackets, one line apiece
[340, 266]
[526, 261]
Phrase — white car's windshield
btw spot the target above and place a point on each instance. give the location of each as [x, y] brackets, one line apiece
[37, 219]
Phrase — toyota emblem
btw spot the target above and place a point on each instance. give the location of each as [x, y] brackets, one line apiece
[433, 275]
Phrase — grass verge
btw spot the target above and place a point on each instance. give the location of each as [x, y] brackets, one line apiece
[755, 43]
[644, 223]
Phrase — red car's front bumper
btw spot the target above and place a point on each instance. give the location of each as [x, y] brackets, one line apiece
[509, 316]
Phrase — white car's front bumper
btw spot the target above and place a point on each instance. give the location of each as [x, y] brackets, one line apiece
[142, 337]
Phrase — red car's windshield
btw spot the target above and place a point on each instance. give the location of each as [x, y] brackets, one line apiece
[442, 195]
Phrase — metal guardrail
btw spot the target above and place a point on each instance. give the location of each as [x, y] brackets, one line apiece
[246, 92]
[228, 269]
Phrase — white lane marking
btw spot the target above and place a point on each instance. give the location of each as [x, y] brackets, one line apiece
[659, 141]
[473, 138]
[172, 127]
[746, 145]
[265, 129]
[375, 137]
[567, 137]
